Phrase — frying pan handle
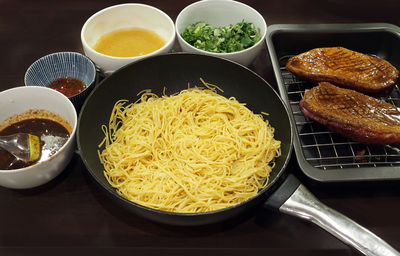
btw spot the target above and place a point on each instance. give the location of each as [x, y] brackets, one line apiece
[304, 205]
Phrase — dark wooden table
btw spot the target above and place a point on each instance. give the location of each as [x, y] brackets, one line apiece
[70, 215]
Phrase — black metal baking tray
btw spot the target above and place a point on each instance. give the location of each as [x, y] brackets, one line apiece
[322, 155]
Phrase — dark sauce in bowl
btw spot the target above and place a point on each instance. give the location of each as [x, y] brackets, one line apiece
[52, 136]
[69, 86]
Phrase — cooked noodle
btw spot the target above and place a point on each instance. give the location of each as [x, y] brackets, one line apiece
[194, 151]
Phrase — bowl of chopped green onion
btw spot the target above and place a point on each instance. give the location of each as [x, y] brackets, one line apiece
[222, 28]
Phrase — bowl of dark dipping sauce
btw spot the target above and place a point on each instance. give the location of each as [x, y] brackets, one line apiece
[70, 73]
[49, 115]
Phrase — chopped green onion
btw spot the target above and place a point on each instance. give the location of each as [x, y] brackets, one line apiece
[226, 39]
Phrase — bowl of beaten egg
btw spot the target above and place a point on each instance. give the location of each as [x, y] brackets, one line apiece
[122, 34]
[43, 112]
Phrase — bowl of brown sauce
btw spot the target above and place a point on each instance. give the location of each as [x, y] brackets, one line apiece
[47, 114]
[70, 73]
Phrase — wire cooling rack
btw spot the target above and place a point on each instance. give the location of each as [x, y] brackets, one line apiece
[327, 150]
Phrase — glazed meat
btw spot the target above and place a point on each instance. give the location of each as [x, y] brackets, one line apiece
[345, 68]
[352, 114]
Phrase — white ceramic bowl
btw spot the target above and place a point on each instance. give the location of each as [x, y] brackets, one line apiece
[121, 17]
[220, 13]
[21, 99]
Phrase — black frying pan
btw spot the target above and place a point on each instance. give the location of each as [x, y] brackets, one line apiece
[174, 72]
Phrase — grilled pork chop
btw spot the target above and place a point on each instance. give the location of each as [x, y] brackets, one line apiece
[352, 114]
[345, 68]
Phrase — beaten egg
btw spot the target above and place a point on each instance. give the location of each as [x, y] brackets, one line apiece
[129, 42]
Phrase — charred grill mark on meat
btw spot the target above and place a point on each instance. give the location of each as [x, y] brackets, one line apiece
[352, 114]
[345, 68]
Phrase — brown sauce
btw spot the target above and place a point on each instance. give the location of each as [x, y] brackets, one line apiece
[69, 86]
[52, 135]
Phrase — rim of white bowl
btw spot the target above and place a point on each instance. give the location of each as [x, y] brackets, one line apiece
[167, 44]
[221, 53]
[92, 79]
[73, 132]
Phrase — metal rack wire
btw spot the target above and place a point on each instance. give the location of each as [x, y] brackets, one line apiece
[327, 150]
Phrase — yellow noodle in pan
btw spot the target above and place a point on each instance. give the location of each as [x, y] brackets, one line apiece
[194, 151]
